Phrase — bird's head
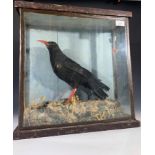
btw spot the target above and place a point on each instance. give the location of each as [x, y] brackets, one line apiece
[49, 44]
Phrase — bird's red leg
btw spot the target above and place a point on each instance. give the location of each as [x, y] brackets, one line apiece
[71, 94]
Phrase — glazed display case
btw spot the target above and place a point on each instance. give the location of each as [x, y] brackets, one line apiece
[92, 60]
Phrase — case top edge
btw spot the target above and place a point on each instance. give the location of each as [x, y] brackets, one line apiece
[71, 9]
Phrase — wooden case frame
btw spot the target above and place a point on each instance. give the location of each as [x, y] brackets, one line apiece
[33, 132]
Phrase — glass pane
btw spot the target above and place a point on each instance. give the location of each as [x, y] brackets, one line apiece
[74, 53]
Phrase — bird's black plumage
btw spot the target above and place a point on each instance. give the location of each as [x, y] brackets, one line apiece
[72, 73]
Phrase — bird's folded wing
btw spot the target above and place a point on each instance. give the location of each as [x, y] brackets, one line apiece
[74, 67]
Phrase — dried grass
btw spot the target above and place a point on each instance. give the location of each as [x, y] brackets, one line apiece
[58, 113]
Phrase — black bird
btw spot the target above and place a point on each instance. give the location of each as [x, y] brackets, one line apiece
[72, 73]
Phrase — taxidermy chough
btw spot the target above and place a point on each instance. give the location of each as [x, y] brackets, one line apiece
[72, 73]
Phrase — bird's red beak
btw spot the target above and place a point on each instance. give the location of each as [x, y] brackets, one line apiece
[43, 41]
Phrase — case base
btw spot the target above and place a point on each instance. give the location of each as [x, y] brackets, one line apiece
[55, 131]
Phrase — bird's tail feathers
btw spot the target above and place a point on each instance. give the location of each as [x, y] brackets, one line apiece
[101, 85]
[98, 87]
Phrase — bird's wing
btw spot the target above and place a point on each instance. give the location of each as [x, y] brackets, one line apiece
[82, 73]
[76, 68]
